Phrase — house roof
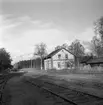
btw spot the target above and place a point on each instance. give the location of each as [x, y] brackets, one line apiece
[84, 59]
[95, 61]
[54, 52]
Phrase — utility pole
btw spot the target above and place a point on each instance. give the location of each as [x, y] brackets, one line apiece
[41, 57]
[31, 62]
[21, 58]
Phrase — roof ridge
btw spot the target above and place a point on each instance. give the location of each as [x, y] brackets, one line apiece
[56, 51]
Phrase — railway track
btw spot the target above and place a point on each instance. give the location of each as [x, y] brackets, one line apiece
[3, 80]
[70, 96]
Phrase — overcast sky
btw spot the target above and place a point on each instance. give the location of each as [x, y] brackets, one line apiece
[24, 23]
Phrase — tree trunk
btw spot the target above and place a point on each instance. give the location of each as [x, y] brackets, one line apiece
[76, 63]
[41, 64]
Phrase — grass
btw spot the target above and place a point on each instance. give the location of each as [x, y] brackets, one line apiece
[81, 70]
[84, 71]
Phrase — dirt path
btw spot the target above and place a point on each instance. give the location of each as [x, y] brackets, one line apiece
[17, 92]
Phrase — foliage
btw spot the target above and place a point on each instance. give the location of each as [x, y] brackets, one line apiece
[62, 46]
[5, 59]
[97, 41]
[77, 48]
[65, 46]
[57, 47]
[27, 64]
[96, 46]
[40, 50]
[98, 27]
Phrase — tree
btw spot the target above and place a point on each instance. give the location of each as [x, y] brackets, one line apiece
[57, 47]
[98, 28]
[78, 50]
[62, 46]
[40, 50]
[5, 60]
[65, 46]
[97, 42]
[96, 47]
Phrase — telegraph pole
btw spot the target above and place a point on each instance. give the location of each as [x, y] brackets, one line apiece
[31, 62]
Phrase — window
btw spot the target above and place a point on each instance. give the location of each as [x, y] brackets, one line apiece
[59, 66]
[66, 56]
[59, 56]
[68, 65]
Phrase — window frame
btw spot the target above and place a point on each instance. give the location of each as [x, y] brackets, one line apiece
[59, 56]
[66, 56]
[59, 65]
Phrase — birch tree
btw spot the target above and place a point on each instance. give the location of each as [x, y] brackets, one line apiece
[40, 50]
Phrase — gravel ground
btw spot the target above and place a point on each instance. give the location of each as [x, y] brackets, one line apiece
[17, 92]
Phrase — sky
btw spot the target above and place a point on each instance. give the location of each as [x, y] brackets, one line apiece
[25, 23]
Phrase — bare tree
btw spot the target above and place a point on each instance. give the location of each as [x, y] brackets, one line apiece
[40, 50]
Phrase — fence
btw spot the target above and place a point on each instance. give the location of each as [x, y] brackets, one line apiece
[89, 69]
[81, 70]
